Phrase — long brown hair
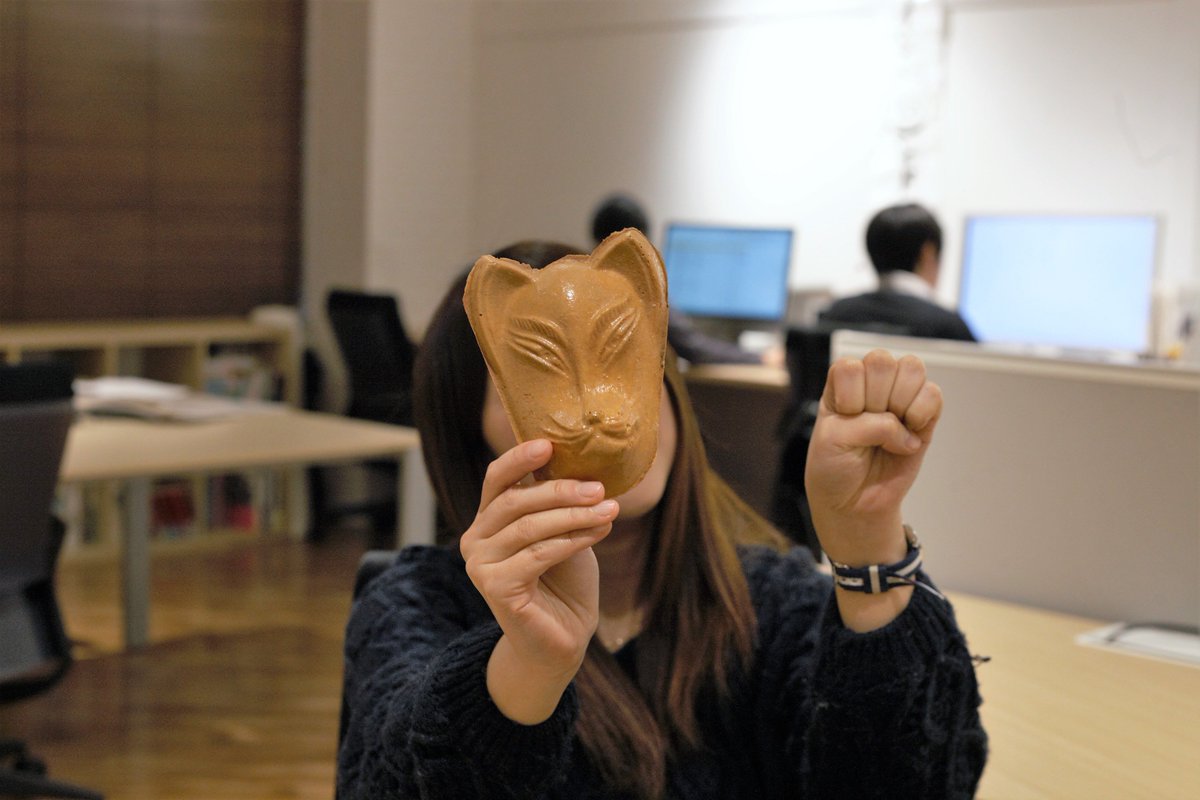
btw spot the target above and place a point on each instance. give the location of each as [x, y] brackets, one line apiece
[699, 623]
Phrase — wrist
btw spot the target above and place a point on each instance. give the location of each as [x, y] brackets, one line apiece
[860, 542]
[871, 596]
[863, 613]
[524, 690]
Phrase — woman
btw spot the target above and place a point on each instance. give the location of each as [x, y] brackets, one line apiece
[664, 643]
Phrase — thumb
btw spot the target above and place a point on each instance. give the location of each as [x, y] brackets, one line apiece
[876, 429]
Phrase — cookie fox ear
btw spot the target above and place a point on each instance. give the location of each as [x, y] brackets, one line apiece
[630, 253]
[493, 278]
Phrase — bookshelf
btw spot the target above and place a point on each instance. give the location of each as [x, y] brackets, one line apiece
[172, 350]
[193, 352]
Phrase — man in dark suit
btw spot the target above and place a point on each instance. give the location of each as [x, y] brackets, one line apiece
[905, 245]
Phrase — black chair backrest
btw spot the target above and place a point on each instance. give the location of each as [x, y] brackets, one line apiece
[35, 381]
[377, 352]
[807, 359]
[808, 355]
[35, 415]
[372, 564]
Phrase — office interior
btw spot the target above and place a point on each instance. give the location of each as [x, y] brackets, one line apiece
[427, 132]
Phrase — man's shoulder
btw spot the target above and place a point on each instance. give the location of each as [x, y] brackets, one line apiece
[911, 315]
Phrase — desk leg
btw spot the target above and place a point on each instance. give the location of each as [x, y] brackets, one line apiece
[136, 566]
[415, 518]
[296, 502]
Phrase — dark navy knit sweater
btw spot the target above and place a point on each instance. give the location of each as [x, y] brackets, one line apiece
[824, 712]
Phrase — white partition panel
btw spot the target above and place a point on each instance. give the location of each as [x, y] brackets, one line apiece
[1065, 484]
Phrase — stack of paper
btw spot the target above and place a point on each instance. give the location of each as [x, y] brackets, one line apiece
[148, 399]
[1167, 643]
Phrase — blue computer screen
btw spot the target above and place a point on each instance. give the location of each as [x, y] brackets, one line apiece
[728, 273]
[1069, 281]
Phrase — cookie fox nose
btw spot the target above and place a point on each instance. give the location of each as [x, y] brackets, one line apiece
[593, 417]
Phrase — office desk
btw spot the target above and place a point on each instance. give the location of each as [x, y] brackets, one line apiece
[1067, 721]
[750, 376]
[136, 452]
[739, 407]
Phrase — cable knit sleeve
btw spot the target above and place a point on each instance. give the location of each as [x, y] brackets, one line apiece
[893, 712]
[418, 719]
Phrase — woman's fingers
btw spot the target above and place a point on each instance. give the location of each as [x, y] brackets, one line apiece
[845, 388]
[532, 529]
[513, 559]
[877, 429]
[519, 500]
[522, 568]
[511, 467]
[925, 410]
[879, 377]
[881, 383]
[910, 377]
[530, 563]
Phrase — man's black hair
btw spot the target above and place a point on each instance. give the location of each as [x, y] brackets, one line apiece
[616, 213]
[896, 235]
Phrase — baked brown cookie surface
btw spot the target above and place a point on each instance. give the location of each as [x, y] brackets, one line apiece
[576, 351]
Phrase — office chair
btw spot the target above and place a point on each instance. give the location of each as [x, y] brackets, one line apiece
[807, 358]
[377, 352]
[35, 415]
[379, 359]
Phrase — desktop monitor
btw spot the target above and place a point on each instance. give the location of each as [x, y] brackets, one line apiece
[1070, 281]
[728, 273]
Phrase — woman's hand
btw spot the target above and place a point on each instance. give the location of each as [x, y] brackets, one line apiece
[528, 552]
[875, 423]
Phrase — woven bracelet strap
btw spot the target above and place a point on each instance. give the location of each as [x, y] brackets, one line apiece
[877, 578]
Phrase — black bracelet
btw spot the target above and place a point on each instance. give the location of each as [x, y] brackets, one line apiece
[878, 578]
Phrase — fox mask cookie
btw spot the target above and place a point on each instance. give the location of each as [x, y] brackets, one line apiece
[575, 350]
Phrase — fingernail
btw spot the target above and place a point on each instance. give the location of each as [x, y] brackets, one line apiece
[913, 441]
[605, 508]
[591, 489]
[538, 448]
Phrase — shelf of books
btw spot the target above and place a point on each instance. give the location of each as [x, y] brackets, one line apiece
[243, 359]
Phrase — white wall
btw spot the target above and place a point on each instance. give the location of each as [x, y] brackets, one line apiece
[788, 113]
[488, 121]
[388, 150]
[420, 177]
[1076, 108]
[334, 153]
[714, 112]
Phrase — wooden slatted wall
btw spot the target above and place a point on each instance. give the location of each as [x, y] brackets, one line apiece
[149, 157]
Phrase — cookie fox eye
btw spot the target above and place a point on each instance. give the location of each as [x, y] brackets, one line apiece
[613, 327]
[540, 341]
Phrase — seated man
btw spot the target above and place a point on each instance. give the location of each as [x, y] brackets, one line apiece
[905, 245]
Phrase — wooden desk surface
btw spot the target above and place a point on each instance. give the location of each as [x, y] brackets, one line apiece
[110, 448]
[752, 376]
[1068, 721]
[136, 450]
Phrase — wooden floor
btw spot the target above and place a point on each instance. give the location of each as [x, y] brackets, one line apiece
[236, 697]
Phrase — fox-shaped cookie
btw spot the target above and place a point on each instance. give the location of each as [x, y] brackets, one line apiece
[576, 351]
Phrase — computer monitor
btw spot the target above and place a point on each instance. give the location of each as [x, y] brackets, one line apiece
[728, 273]
[1070, 281]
